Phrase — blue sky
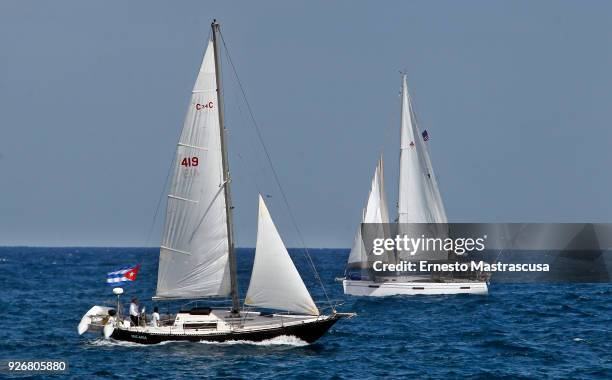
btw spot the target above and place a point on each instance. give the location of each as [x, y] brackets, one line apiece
[515, 95]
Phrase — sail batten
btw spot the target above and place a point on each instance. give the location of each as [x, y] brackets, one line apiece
[193, 259]
[275, 282]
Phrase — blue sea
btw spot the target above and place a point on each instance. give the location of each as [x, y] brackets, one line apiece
[517, 331]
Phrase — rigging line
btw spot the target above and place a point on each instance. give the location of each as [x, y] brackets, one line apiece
[391, 124]
[159, 201]
[251, 174]
[276, 178]
[390, 128]
[395, 120]
[417, 121]
[413, 105]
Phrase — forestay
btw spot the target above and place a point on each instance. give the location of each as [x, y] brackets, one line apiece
[275, 282]
[193, 259]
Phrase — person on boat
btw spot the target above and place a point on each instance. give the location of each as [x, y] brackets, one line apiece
[111, 317]
[155, 317]
[134, 315]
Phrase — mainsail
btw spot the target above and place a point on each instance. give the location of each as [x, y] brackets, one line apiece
[275, 282]
[419, 197]
[375, 211]
[193, 258]
[420, 208]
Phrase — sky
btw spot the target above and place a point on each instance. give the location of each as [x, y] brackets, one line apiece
[515, 96]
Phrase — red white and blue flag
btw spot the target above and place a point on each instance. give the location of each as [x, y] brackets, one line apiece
[122, 276]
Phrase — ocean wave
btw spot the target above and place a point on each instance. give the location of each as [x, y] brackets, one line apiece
[517, 331]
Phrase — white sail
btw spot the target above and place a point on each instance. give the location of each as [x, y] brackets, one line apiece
[419, 197]
[275, 282]
[375, 211]
[193, 258]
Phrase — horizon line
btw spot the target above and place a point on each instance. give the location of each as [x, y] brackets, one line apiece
[135, 246]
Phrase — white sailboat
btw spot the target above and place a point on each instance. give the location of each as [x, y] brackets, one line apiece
[197, 257]
[419, 201]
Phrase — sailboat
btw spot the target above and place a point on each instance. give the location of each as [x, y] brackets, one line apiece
[419, 202]
[197, 258]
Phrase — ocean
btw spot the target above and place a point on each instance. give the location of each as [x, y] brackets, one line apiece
[518, 331]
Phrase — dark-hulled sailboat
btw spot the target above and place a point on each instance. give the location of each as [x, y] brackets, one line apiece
[197, 257]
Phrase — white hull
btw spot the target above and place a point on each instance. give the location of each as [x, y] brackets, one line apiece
[383, 289]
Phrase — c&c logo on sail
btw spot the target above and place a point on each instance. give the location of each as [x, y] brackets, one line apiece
[199, 106]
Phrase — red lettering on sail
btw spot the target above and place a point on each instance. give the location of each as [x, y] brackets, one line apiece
[208, 105]
[190, 161]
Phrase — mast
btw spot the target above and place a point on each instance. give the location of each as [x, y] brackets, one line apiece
[226, 174]
[401, 132]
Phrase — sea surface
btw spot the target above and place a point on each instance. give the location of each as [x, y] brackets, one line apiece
[517, 331]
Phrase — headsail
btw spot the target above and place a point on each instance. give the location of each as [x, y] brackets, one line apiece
[375, 211]
[193, 258]
[275, 282]
[419, 197]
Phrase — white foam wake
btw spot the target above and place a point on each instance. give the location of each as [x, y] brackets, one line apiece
[283, 340]
[102, 342]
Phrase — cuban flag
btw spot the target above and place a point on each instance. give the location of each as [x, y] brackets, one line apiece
[425, 135]
[122, 276]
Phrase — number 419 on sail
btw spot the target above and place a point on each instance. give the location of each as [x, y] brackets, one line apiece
[190, 161]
